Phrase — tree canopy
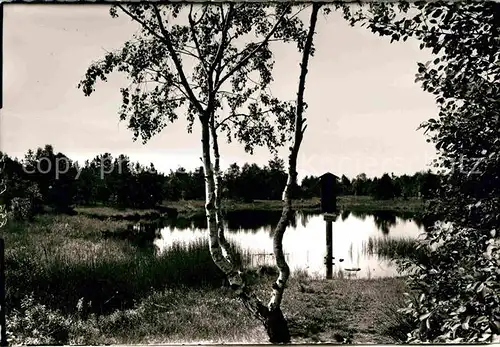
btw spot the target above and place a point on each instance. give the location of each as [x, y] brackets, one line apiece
[217, 62]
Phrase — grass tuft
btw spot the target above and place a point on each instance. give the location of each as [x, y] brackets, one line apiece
[394, 248]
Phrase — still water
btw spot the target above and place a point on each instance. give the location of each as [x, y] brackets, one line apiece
[304, 242]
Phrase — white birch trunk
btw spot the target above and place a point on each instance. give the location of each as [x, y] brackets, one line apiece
[287, 214]
[3, 189]
[233, 275]
[230, 256]
[214, 219]
[271, 316]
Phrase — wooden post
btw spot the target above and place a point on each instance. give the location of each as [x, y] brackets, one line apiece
[329, 219]
[3, 325]
[329, 208]
[329, 250]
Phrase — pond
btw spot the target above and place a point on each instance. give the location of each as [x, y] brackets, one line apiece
[304, 242]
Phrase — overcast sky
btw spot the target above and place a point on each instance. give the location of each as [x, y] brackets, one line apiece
[364, 107]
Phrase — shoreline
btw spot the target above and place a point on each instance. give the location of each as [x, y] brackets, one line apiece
[78, 256]
[196, 208]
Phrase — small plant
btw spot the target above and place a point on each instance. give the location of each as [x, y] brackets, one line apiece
[394, 322]
[34, 323]
[21, 209]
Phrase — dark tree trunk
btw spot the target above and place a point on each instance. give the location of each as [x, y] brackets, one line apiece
[277, 327]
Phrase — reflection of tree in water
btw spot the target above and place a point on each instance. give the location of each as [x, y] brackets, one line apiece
[345, 214]
[186, 223]
[426, 220]
[360, 214]
[234, 221]
[384, 220]
[251, 220]
[293, 221]
[405, 215]
[143, 235]
[421, 220]
[305, 217]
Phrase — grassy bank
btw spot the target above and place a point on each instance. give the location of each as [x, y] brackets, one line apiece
[74, 279]
[353, 203]
[196, 207]
[108, 212]
[67, 258]
[349, 311]
[368, 204]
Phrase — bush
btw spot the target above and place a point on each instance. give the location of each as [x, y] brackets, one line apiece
[21, 209]
[35, 324]
[459, 299]
[24, 208]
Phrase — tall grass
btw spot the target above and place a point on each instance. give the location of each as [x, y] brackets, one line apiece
[107, 273]
[78, 226]
[394, 248]
[77, 279]
[394, 323]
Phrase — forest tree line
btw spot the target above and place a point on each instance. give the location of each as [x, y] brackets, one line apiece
[44, 177]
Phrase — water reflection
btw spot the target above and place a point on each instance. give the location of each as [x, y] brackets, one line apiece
[384, 220]
[345, 214]
[143, 236]
[305, 240]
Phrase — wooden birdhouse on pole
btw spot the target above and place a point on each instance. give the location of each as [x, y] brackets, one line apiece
[328, 192]
[329, 209]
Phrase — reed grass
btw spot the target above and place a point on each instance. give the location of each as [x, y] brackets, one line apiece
[394, 248]
[108, 273]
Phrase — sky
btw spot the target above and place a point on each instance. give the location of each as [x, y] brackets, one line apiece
[363, 114]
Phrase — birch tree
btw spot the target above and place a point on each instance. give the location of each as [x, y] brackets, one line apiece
[228, 46]
[287, 212]
[3, 189]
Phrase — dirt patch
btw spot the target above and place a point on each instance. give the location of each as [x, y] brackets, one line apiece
[341, 310]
